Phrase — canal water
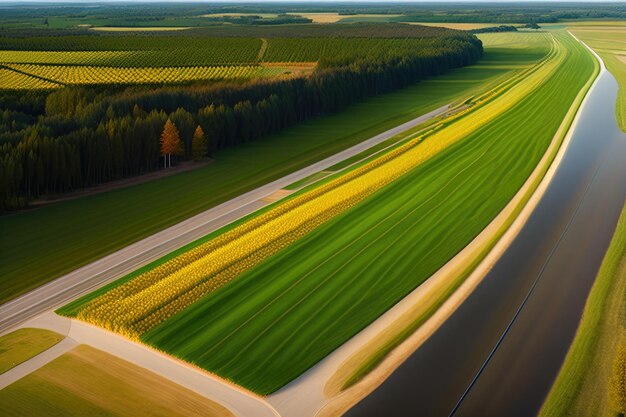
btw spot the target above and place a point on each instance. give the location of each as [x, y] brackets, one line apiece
[500, 352]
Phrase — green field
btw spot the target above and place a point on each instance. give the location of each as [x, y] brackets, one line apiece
[581, 389]
[609, 41]
[278, 319]
[21, 345]
[42, 244]
[88, 382]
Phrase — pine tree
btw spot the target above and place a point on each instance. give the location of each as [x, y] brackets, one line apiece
[170, 143]
[199, 145]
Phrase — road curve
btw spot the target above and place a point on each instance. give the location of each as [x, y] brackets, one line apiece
[499, 353]
[117, 264]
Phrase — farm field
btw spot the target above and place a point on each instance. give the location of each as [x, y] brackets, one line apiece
[50, 241]
[608, 39]
[139, 29]
[42, 63]
[130, 50]
[21, 345]
[580, 389]
[82, 75]
[316, 17]
[336, 17]
[458, 26]
[86, 381]
[271, 338]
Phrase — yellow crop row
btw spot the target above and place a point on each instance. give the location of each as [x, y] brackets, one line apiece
[65, 57]
[149, 299]
[12, 80]
[81, 74]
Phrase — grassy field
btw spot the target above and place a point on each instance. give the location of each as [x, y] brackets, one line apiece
[39, 245]
[581, 389]
[270, 338]
[88, 382]
[609, 41]
[21, 345]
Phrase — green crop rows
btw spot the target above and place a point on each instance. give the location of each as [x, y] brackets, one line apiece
[275, 321]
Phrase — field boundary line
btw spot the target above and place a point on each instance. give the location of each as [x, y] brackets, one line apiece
[262, 49]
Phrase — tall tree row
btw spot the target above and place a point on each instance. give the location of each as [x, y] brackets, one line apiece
[88, 136]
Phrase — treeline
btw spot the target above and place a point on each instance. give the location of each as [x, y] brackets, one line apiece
[87, 136]
[248, 19]
[495, 29]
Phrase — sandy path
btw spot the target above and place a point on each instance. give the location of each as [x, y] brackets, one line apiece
[100, 272]
[308, 394]
[236, 399]
[36, 362]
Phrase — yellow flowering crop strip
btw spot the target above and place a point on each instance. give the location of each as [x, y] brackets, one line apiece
[138, 305]
[87, 74]
[13, 80]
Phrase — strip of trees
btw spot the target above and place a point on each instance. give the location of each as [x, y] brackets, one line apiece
[82, 137]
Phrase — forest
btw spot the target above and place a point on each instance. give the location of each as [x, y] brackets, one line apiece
[74, 137]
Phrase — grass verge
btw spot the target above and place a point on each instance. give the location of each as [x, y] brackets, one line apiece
[89, 382]
[21, 345]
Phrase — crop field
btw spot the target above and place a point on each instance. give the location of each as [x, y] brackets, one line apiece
[14, 80]
[22, 344]
[150, 299]
[130, 51]
[609, 41]
[45, 63]
[89, 382]
[50, 241]
[321, 254]
[458, 26]
[81, 75]
[313, 49]
[331, 17]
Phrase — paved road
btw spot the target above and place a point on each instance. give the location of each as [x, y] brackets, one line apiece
[499, 353]
[107, 269]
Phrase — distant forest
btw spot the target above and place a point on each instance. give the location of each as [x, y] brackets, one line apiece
[193, 15]
[54, 142]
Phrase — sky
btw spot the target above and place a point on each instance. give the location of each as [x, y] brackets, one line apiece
[310, 1]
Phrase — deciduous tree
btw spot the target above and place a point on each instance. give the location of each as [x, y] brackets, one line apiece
[170, 142]
[199, 145]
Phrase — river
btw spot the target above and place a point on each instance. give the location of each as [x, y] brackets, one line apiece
[500, 352]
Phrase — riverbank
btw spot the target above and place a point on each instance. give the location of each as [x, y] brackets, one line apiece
[582, 386]
[499, 353]
[399, 322]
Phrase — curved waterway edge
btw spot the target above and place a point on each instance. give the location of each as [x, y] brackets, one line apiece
[558, 251]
